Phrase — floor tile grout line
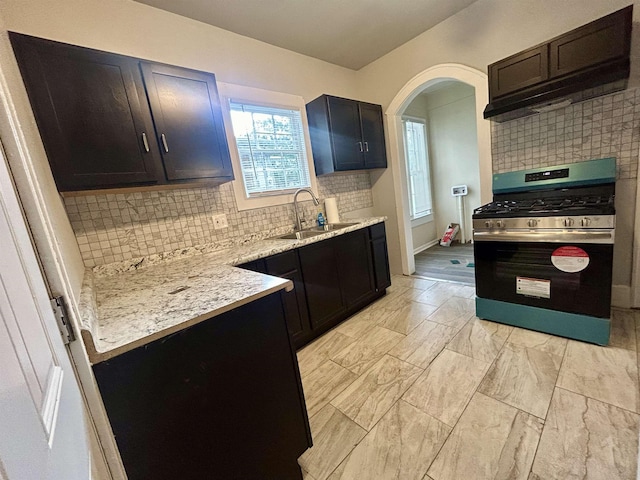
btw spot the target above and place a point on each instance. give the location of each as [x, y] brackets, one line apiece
[544, 425]
[564, 355]
[435, 457]
[333, 397]
[399, 398]
[598, 400]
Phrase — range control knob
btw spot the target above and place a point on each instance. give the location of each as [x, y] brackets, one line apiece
[532, 222]
[488, 224]
[585, 222]
[500, 224]
[568, 222]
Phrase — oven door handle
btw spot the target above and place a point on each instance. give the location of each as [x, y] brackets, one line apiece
[564, 236]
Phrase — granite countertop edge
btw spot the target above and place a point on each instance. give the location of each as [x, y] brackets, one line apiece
[130, 304]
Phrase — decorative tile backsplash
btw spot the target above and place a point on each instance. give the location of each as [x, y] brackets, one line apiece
[115, 227]
[602, 127]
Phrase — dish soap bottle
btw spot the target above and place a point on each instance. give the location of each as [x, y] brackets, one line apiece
[321, 221]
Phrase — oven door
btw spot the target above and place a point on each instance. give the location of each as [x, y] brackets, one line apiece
[551, 272]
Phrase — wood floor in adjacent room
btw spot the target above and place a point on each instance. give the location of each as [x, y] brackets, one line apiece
[416, 387]
[453, 264]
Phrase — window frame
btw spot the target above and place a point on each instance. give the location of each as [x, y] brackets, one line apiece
[427, 216]
[256, 96]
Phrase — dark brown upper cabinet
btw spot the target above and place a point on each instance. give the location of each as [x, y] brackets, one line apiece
[519, 71]
[98, 123]
[345, 135]
[186, 112]
[566, 67]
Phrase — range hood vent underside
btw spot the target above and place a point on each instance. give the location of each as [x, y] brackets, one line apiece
[592, 83]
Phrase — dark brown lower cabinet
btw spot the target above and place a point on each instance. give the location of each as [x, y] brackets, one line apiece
[380, 256]
[287, 265]
[319, 264]
[332, 279]
[219, 400]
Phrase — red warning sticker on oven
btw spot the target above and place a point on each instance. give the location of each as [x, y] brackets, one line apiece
[570, 259]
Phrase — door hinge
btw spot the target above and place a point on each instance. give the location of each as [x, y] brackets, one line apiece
[62, 318]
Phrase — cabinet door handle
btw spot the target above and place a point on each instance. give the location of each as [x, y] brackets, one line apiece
[145, 142]
[360, 146]
[366, 146]
[164, 142]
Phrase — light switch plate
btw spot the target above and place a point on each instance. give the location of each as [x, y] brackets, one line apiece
[219, 221]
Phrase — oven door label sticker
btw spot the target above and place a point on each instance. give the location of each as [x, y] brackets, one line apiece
[533, 287]
[570, 259]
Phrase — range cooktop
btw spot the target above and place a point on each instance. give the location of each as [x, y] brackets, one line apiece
[543, 207]
[583, 188]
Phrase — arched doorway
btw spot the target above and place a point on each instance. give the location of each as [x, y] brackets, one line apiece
[425, 79]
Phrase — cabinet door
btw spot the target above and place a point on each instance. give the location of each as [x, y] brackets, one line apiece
[519, 71]
[219, 400]
[286, 265]
[188, 120]
[355, 268]
[344, 122]
[380, 256]
[92, 114]
[375, 155]
[319, 267]
[596, 43]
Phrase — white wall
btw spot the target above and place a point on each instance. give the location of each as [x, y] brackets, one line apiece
[453, 151]
[423, 234]
[483, 33]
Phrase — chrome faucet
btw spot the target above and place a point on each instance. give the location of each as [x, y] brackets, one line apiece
[295, 204]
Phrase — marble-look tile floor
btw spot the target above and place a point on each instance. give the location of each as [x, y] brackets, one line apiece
[416, 387]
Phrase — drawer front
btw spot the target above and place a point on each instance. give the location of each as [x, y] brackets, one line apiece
[282, 263]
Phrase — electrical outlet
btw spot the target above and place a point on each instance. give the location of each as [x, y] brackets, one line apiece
[219, 221]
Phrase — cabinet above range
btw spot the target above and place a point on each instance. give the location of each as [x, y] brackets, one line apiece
[112, 121]
[586, 62]
[345, 135]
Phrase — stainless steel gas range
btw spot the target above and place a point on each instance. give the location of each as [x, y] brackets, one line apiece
[544, 250]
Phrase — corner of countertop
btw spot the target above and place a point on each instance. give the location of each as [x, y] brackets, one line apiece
[88, 311]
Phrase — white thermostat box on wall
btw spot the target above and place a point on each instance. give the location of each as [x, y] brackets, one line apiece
[459, 190]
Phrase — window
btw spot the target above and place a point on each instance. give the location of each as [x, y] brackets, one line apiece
[415, 145]
[271, 148]
[269, 145]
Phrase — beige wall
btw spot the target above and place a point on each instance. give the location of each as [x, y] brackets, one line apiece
[483, 33]
[453, 151]
[424, 233]
[449, 110]
[131, 28]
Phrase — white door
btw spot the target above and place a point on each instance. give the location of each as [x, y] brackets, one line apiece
[42, 431]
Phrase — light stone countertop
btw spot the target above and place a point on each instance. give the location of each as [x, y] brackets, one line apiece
[130, 304]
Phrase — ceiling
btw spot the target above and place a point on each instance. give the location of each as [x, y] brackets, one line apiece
[350, 33]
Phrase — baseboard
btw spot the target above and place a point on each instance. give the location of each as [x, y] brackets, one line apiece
[621, 296]
[422, 248]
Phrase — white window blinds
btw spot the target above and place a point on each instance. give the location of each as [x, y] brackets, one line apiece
[415, 141]
[271, 148]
